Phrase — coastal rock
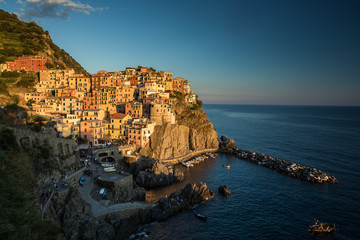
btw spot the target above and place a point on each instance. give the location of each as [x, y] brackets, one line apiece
[70, 211]
[182, 199]
[223, 139]
[170, 141]
[224, 189]
[167, 141]
[192, 132]
[292, 169]
[161, 174]
[227, 144]
[97, 228]
[74, 214]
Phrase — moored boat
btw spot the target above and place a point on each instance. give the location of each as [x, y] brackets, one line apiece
[200, 216]
[226, 166]
[106, 164]
[110, 169]
[322, 228]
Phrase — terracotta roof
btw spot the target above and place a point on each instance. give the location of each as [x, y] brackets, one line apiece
[70, 97]
[118, 116]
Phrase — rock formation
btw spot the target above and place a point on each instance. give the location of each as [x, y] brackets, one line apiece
[74, 215]
[226, 144]
[13, 115]
[149, 173]
[224, 189]
[182, 199]
[193, 131]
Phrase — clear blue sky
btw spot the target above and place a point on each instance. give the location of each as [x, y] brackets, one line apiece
[301, 52]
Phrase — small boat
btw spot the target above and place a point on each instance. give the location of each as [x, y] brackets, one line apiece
[107, 164]
[321, 228]
[200, 216]
[110, 169]
[226, 166]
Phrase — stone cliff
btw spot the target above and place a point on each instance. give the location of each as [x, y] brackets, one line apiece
[158, 175]
[192, 132]
[74, 214]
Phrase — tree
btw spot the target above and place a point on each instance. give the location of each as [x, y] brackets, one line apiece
[30, 102]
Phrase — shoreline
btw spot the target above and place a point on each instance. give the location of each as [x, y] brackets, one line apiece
[188, 156]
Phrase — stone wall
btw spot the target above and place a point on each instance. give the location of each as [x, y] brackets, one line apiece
[120, 190]
[108, 154]
[60, 148]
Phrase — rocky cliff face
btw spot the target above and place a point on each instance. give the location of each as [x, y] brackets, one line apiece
[151, 173]
[74, 215]
[193, 131]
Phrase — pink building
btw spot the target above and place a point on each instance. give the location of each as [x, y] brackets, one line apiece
[92, 131]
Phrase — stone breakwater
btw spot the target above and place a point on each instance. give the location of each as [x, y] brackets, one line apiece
[309, 174]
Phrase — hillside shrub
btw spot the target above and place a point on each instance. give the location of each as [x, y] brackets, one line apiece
[26, 81]
[10, 74]
[15, 99]
[3, 88]
[19, 216]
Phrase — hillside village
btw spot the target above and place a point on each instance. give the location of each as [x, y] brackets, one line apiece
[121, 107]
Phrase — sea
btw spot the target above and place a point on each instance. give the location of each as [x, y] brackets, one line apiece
[266, 204]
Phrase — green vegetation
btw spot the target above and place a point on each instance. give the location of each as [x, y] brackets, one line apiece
[15, 99]
[18, 38]
[19, 218]
[26, 81]
[39, 119]
[10, 74]
[30, 102]
[3, 88]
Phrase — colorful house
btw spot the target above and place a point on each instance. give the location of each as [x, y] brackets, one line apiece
[118, 126]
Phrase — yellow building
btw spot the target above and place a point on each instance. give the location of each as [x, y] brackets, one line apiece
[161, 113]
[118, 126]
[58, 77]
[107, 99]
[69, 103]
[169, 85]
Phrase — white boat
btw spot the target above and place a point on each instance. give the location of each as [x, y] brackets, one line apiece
[109, 169]
[185, 164]
[107, 164]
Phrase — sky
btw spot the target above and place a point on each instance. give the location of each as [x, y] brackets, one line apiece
[299, 52]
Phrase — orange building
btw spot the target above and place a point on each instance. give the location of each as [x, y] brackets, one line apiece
[134, 109]
[140, 132]
[29, 63]
[178, 84]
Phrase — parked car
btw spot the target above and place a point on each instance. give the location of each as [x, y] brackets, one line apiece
[88, 172]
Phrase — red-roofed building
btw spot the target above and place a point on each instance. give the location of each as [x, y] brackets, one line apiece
[29, 63]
